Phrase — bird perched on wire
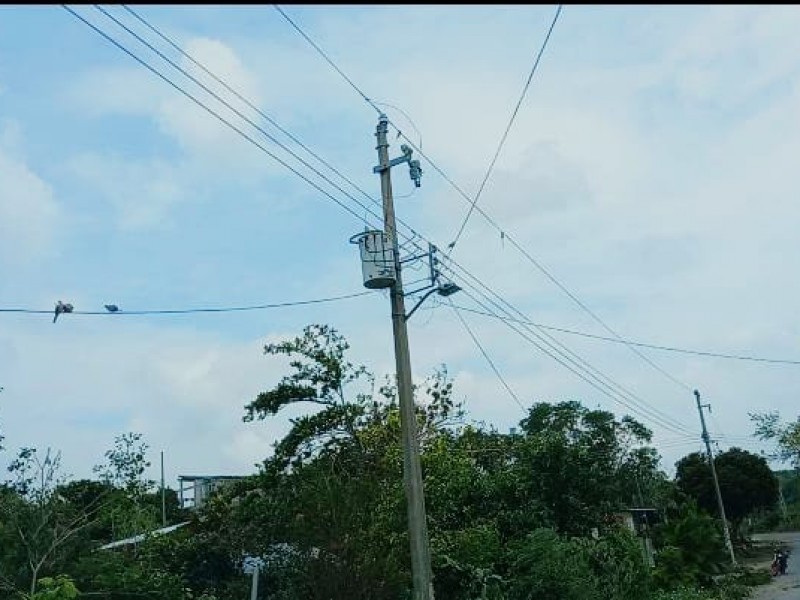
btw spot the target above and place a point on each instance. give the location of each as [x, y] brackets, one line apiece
[111, 307]
[61, 308]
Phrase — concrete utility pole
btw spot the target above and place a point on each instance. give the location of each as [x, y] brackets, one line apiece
[707, 441]
[412, 470]
[163, 495]
[782, 500]
[254, 586]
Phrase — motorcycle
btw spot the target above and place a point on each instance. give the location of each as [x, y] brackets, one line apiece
[778, 566]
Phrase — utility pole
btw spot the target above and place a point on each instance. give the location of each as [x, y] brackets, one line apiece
[412, 470]
[707, 442]
[163, 496]
[254, 586]
[782, 500]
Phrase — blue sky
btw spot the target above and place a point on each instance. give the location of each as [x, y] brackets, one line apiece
[650, 169]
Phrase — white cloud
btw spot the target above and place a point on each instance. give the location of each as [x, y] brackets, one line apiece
[192, 126]
[660, 189]
[184, 391]
[145, 187]
[29, 213]
[108, 91]
[142, 192]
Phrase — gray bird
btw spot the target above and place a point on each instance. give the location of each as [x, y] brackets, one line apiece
[61, 308]
[111, 307]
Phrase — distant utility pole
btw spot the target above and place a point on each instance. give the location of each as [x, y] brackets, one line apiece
[254, 586]
[707, 441]
[782, 500]
[412, 470]
[163, 496]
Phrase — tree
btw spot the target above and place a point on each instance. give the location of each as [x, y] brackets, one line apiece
[581, 465]
[329, 507]
[50, 527]
[745, 480]
[331, 496]
[124, 471]
[320, 375]
[786, 435]
[126, 465]
[326, 511]
[40, 526]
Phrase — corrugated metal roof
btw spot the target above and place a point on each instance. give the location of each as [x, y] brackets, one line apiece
[194, 477]
[140, 538]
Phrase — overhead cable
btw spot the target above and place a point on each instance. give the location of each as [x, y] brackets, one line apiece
[784, 361]
[503, 138]
[487, 357]
[184, 311]
[484, 214]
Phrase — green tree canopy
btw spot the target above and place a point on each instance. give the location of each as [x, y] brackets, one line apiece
[786, 436]
[745, 480]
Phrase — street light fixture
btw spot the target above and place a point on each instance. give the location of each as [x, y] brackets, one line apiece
[444, 290]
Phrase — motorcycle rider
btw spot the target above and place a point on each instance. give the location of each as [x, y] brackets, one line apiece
[783, 559]
[779, 562]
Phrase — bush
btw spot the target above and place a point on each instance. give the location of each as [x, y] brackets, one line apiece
[547, 567]
[58, 588]
[752, 577]
[464, 563]
[691, 554]
[618, 565]
[727, 587]
[683, 594]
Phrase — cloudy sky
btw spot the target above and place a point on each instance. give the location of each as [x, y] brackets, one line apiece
[651, 169]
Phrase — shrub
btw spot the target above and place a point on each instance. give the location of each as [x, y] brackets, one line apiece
[691, 552]
[545, 566]
[683, 594]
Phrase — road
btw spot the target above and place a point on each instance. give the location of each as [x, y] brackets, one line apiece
[786, 587]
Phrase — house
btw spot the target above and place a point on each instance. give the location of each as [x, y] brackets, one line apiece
[201, 487]
[640, 521]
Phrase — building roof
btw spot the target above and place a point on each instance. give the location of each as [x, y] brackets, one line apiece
[140, 538]
[196, 477]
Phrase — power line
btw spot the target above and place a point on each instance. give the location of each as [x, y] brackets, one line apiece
[243, 99]
[218, 79]
[225, 121]
[578, 365]
[646, 345]
[249, 121]
[410, 238]
[485, 215]
[508, 128]
[366, 98]
[591, 313]
[487, 357]
[408, 118]
[327, 59]
[594, 377]
[183, 311]
[556, 344]
[234, 110]
[606, 381]
[144, 63]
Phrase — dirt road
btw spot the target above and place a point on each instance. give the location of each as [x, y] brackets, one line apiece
[785, 587]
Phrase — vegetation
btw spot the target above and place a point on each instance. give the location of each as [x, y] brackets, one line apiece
[745, 480]
[786, 436]
[512, 516]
